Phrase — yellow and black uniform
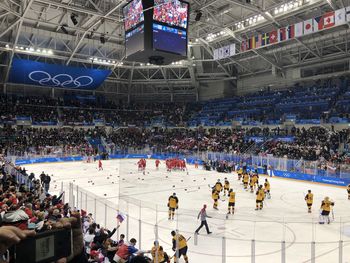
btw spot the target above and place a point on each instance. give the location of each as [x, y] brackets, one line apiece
[179, 246]
[252, 183]
[218, 186]
[260, 194]
[226, 186]
[215, 196]
[158, 255]
[326, 206]
[240, 173]
[231, 202]
[256, 179]
[267, 188]
[348, 189]
[245, 180]
[309, 198]
[173, 202]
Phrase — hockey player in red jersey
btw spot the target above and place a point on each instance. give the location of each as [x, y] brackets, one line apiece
[157, 164]
[100, 168]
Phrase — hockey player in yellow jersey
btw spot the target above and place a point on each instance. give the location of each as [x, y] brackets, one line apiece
[218, 186]
[267, 188]
[226, 186]
[240, 173]
[173, 203]
[158, 254]
[179, 246]
[260, 194]
[348, 189]
[215, 197]
[309, 198]
[326, 207]
[252, 183]
[245, 180]
[256, 178]
[231, 202]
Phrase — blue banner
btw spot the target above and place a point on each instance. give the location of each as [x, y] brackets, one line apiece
[43, 74]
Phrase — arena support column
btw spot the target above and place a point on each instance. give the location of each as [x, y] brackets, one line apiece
[140, 225]
[223, 245]
[313, 252]
[253, 251]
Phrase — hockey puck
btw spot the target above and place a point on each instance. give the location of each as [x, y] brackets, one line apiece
[138, 178]
[107, 178]
[185, 189]
[199, 188]
[194, 180]
[173, 186]
[166, 176]
[54, 181]
[205, 179]
[142, 179]
[182, 180]
[105, 194]
[123, 179]
[93, 183]
[73, 180]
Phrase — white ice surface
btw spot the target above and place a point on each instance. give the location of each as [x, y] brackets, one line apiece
[284, 216]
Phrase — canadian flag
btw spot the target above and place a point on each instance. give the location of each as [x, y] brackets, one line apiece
[328, 20]
[308, 27]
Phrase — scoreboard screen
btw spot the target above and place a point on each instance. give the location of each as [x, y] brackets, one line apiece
[170, 21]
[133, 14]
[171, 12]
[156, 31]
[169, 39]
[134, 40]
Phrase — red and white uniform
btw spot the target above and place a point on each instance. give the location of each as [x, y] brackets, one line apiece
[100, 165]
[157, 163]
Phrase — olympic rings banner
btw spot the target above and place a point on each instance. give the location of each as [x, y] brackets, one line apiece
[43, 74]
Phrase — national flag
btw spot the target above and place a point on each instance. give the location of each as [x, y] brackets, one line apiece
[347, 13]
[252, 43]
[328, 20]
[232, 49]
[273, 37]
[120, 217]
[290, 31]
[226, 51]
[265, 39]
[298, 28]
[258, 41]
[308, 26]
[244, 45]
[282, 34]
[317, 23]
[339, 17]
[216, 54]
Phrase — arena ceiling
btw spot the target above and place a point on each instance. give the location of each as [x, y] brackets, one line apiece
[36, 25]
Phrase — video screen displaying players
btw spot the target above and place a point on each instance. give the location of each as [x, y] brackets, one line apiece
[134, 41]
[171, 12]
[133, 14]
[169, 39]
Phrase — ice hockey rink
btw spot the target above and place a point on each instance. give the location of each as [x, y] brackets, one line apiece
[143, 199]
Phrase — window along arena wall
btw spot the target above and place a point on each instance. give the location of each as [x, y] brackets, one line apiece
[281, 232]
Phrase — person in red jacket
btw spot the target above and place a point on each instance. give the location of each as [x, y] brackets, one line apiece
[126, 251]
